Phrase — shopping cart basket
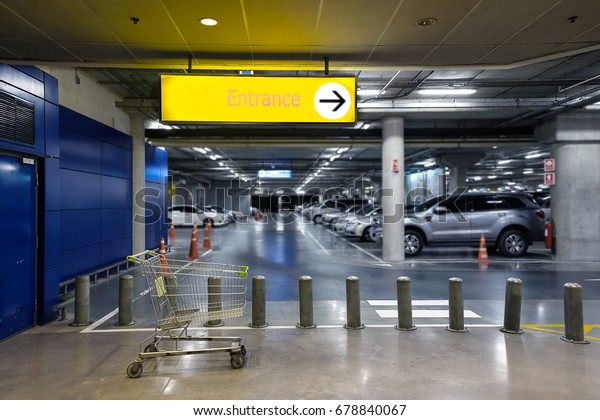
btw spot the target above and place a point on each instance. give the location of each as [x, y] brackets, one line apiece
[184, 292]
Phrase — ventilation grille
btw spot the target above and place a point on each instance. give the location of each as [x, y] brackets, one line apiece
[16, 120]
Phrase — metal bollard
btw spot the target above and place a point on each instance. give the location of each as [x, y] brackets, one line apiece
[125, 301]
[573, 315]
[512, 307]
[405, 321]
[353, 304]
[457, 312]
[306, 303]
[214, 301]
[258, 303]
[82, 301]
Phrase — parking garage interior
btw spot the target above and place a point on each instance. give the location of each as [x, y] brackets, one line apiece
[89, 172]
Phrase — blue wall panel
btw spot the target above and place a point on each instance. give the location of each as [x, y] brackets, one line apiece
[116, 192]
[80, 152]
[116, 224]
[116, 161]
[95, 191]
[80, 228]
[156, 180]
[52, 237]
[79, 261]
[80, 190]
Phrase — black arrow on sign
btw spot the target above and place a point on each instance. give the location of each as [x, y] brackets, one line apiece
[340, 101]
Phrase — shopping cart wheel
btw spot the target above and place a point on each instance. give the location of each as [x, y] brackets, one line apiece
[243, 351]
[237, 360]
[135, 369]
[151, 348]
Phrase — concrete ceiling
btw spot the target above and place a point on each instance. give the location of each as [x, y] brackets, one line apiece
[529, 61]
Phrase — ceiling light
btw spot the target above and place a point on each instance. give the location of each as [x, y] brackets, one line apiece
[429, 164]
[426, 22]
[200, 149]
[213, 157]
[221, 164]
[504, 162]
[342, 150]
[206, 21]
[447, 91]
[534, 155]
[333, 157]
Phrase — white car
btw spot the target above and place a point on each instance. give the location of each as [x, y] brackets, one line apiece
[361, 225]
[187, 215]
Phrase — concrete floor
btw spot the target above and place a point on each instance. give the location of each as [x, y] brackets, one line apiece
[58, 361]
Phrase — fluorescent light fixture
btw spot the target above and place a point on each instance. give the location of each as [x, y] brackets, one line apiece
[213, 157]
[429, 164]
[201, 150]
[221, 164]
[446, 91]
[369, 92]
[504, 162]
[492, 176]
[534, 155]
[342, 150]
[527, 171]
[333, 157]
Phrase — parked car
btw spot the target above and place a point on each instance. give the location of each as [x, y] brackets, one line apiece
[361, 225]
[339, 225]
[509, 222]
[329, 219]
[316, 213]
[188, 215]
[218, 217]
[232, 215]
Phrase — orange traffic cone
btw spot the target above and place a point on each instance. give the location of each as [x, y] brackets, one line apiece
[206, 243]
[163, 256]
[483, 255]
[172, 232]
[194, 244]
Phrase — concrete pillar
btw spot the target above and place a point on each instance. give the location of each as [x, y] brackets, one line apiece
[138, 182]
[459, 162]
[457, 178]
[575, 146]
[392, 163]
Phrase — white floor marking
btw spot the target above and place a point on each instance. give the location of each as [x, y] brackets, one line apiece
[318, 243]
[414, 302]
[424, 313]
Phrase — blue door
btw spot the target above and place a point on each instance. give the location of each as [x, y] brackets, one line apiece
[17, 245]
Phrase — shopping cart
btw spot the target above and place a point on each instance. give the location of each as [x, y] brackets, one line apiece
[185, 292]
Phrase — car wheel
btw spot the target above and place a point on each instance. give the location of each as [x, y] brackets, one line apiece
[366, 233]
[513, 243]
[413, 243]
[317, 219]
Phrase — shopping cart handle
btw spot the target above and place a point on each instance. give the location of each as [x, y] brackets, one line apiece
[136, 258]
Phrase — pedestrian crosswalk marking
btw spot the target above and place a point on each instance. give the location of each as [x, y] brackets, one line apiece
[418, 313]
[414, 302]
[424, 313]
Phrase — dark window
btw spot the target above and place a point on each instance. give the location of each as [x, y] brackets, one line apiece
[488, 203]
[514, 202]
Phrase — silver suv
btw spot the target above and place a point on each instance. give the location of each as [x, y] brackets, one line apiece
[509, 222]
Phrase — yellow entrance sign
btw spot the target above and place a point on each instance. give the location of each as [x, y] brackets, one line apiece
[257, 99]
